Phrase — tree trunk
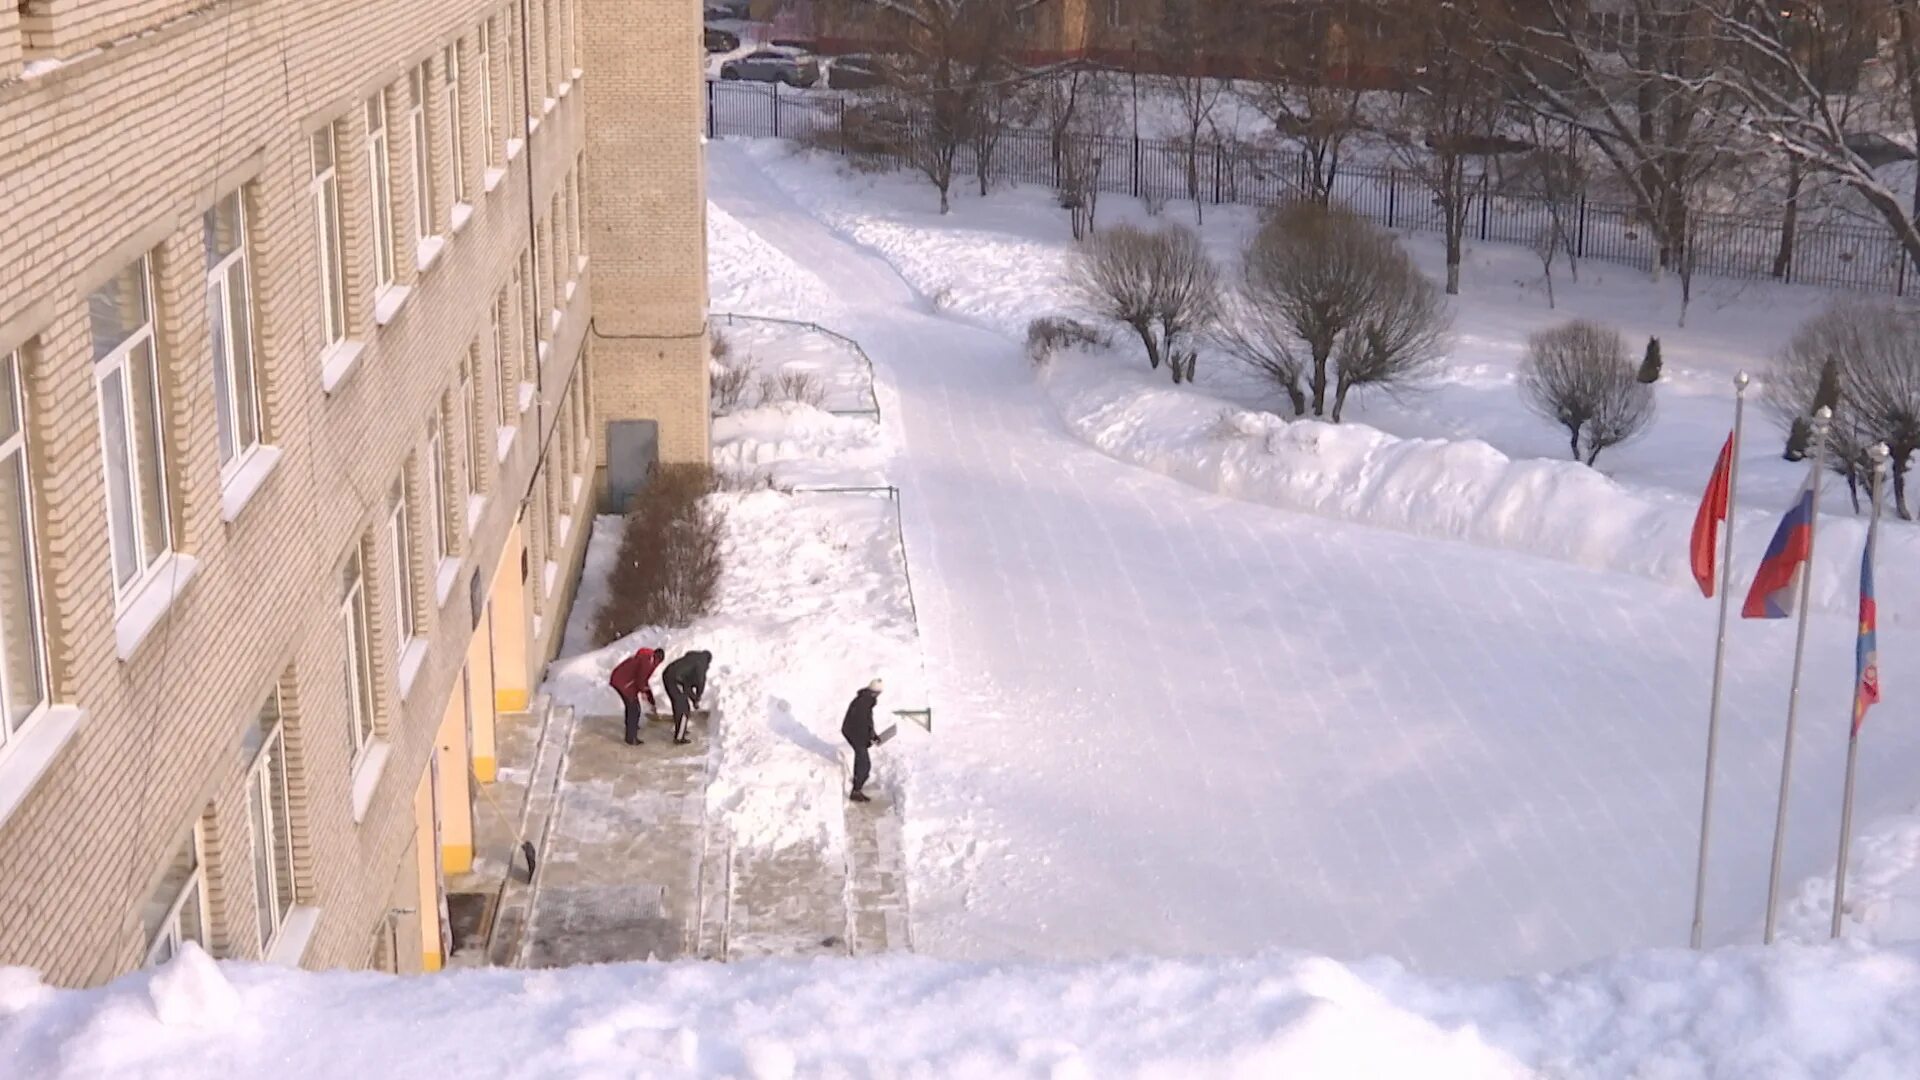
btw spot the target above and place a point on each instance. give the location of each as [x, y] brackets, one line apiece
[1298, 399]
[1900, 488]
[1318, 383]
[1340, 399]
[1152, 343]
[1573, 440]
[1789, 220]
[1593, 455]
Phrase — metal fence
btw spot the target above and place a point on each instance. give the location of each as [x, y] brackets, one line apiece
[1861, 258]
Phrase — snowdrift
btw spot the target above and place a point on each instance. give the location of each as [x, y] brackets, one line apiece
[1788, 1011]
[1455, 490]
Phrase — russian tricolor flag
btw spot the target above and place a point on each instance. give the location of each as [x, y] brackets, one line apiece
[1776, 586]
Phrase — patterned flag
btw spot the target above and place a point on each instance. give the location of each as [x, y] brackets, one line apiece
[1706, 522]
[1866, 650]
[1776, 585]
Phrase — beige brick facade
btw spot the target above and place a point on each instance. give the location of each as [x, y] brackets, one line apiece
[108, 154]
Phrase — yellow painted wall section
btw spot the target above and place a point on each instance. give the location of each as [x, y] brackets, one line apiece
[425, 853]
[480, 699]
[456, 794]
[510, 629]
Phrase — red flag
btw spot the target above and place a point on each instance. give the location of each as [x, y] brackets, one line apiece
[1706, 523]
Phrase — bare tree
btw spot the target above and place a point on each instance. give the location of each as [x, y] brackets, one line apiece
[1161, 285]
[956, 56]
[1789, 74]
[1186, 39]
[1874, 349]
[1328, 298]
[1082, 110]
[1579, 376]
[1305, 90]
[1634, 81]
[1451, 114]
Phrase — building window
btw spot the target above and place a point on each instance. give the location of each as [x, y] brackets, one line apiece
[502, 361]
[270, 815]
[533, 326]
[400, 550]
[469, 425]
[236, 398]
[456, 121]
[176, 913]
[442, 528]
[423, 219]
[23, 643]
[380, 181]
[522, 344]
[359, 664]
[126, 381]
[576, 220]
[488, 136]
[326, 217]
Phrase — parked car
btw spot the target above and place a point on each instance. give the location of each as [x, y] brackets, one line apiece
[728, 9]
[773, 66]
[856, 72]
[719, 40]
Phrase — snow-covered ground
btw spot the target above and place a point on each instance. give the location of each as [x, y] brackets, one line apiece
[1178, 723]
[1789, 1012]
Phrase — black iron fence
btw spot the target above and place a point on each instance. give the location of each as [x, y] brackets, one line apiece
[1855, 257]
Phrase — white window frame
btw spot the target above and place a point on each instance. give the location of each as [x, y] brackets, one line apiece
[505, 376]
[451, 76]
[220, 281]
[421, 148]
[438, 506]
[400, 550]
[487, 131]
[171, 933]
[523, 325]
[380, 183]
[13, 455]
[357, 630]
[576, 221]
[118, 363]
[275, 818]
[325, 189]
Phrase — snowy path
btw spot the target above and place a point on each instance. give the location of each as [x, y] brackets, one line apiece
[1177, 723]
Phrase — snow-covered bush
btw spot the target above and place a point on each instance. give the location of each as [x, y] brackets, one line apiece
[1161, 285]
[1861, 359]
[1051, 333]
[1329, 299]
[1579, 376]
[668, 567]
[799, 386]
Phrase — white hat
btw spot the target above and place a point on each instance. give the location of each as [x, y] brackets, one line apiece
[876, 686]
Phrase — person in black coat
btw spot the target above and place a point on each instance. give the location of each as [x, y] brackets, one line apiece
[857, 729]
[686, 680]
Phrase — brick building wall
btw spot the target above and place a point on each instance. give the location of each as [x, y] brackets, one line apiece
[108, 154]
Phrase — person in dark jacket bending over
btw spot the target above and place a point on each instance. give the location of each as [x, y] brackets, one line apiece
[685, 680]
[630, 680]
[857, 728]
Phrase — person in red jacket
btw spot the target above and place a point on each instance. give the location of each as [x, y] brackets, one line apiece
[630, 680]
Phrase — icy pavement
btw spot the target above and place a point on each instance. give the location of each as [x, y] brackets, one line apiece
[1176, 723]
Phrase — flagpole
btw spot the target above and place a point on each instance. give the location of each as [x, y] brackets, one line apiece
[1719, 667]
[1821, 418]
[1880, 455]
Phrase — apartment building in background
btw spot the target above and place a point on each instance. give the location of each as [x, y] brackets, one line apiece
[304, 414]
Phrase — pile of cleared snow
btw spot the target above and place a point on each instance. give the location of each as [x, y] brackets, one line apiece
[1456, 490]
[747, 274]
[797, 445]
[1788, 1011]
[1883, 888]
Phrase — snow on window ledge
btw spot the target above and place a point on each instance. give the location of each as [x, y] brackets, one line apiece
[533, 125]
[32, 751]
[514, 146]
[476, 508]
[462, 213]
[578, 483]
[551, 104]
[506, 441]
[577, 73]
[540, 353]
[445, 579]
[555, 318]
[580, 266]
[565, 88]
[388, 302]
[492, 178]
[412, 659]
[338, 362]
[366, 777]
[295, 935]
[427, 252]
[572, 287]
[527, 389]
[565, 529]
[149, 606]
[548, 575]
[247, 481]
